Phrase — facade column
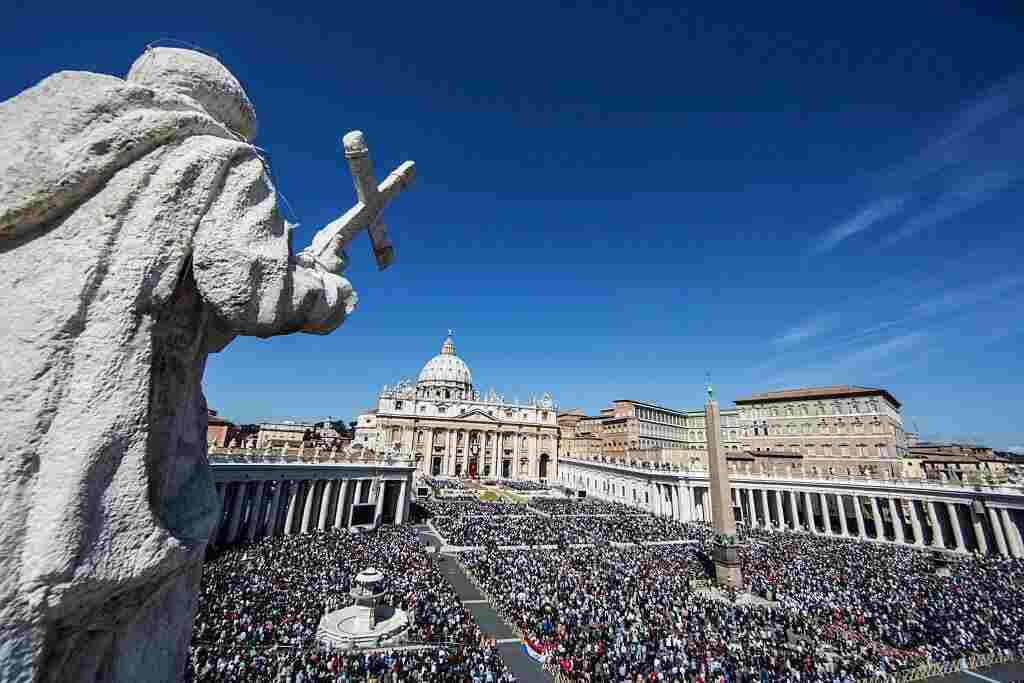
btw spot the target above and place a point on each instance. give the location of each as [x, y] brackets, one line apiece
[841, 504]
[809, 512]
[826, 519]
[340, 509]
[997, 532]
[256, 513]
[897, 521]
[294, 488]
[915, 522]
[794, 510]
[1012, 534]
[862, 531]
[938, 538]
[325, 505]
[767, 509]
[958, 533]
[236, 511]
[274, 512]
[400, 508]
[752, 507]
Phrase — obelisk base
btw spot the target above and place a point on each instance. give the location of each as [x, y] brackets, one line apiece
[727, 566]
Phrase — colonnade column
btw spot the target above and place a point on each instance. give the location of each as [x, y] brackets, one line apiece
[256, 513]
[273, 512]
[826, 520]
[780, 509]
[339, 510]
[325, 505]
[795, 510]
[880, 522]
[307, 508]
[938, 538]
[236, 512]
[862, 530]
[378, 512]
[979, 531]
[809, 512]
[997, 531]
[767, 509]
[752, 507]
[221, 493]
[915, 522]
[841, 504]
[954, 520]
[294, 487]
[1012, 534]
[400, 510]
[897, 521]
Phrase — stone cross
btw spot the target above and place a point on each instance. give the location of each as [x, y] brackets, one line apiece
[369, 211]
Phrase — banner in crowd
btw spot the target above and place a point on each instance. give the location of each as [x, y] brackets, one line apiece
[533, 650]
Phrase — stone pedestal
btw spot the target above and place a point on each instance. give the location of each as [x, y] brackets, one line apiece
[727, 566]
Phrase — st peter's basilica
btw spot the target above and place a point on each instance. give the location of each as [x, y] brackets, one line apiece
[453, 430]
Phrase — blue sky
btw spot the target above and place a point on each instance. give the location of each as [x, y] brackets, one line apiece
[614, 199]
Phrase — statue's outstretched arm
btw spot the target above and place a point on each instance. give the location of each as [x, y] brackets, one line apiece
[245, 270]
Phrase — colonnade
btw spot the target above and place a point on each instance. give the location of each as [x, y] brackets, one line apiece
[252, 510]
[943, 520]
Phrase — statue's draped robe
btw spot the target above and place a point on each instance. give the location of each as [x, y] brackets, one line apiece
[137, 234]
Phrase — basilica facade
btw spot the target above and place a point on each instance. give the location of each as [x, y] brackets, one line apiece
[453, 430]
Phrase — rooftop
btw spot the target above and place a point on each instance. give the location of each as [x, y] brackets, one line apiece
[835, 391]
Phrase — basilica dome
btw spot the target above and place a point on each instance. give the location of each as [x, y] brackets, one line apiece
[446, 371]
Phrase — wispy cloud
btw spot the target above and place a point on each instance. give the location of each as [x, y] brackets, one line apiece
[812, 327]
[967, 194]
[974, 160]
[870, 356]
[868, 217]
[956, 299]
[872, 362]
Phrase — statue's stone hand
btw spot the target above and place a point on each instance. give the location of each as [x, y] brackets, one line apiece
[333, 259]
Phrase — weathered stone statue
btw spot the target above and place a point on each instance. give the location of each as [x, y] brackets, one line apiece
[139, 231]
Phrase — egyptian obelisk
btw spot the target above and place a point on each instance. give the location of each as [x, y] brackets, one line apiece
[724, 553]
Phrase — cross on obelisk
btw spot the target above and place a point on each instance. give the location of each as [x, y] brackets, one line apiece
[369, 211]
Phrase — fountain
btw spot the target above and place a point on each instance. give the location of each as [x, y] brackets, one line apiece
[366, 623]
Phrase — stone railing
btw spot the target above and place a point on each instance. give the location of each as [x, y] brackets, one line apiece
[294, 456]
[987, 481]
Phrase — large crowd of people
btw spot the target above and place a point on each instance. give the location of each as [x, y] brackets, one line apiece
[525, 486]
[260, 607]
[835, 610]
[496, 530]
[439, 484]
[447, 507]
[843, 610]
[585, 506]
[891, 594]
[517, 531]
